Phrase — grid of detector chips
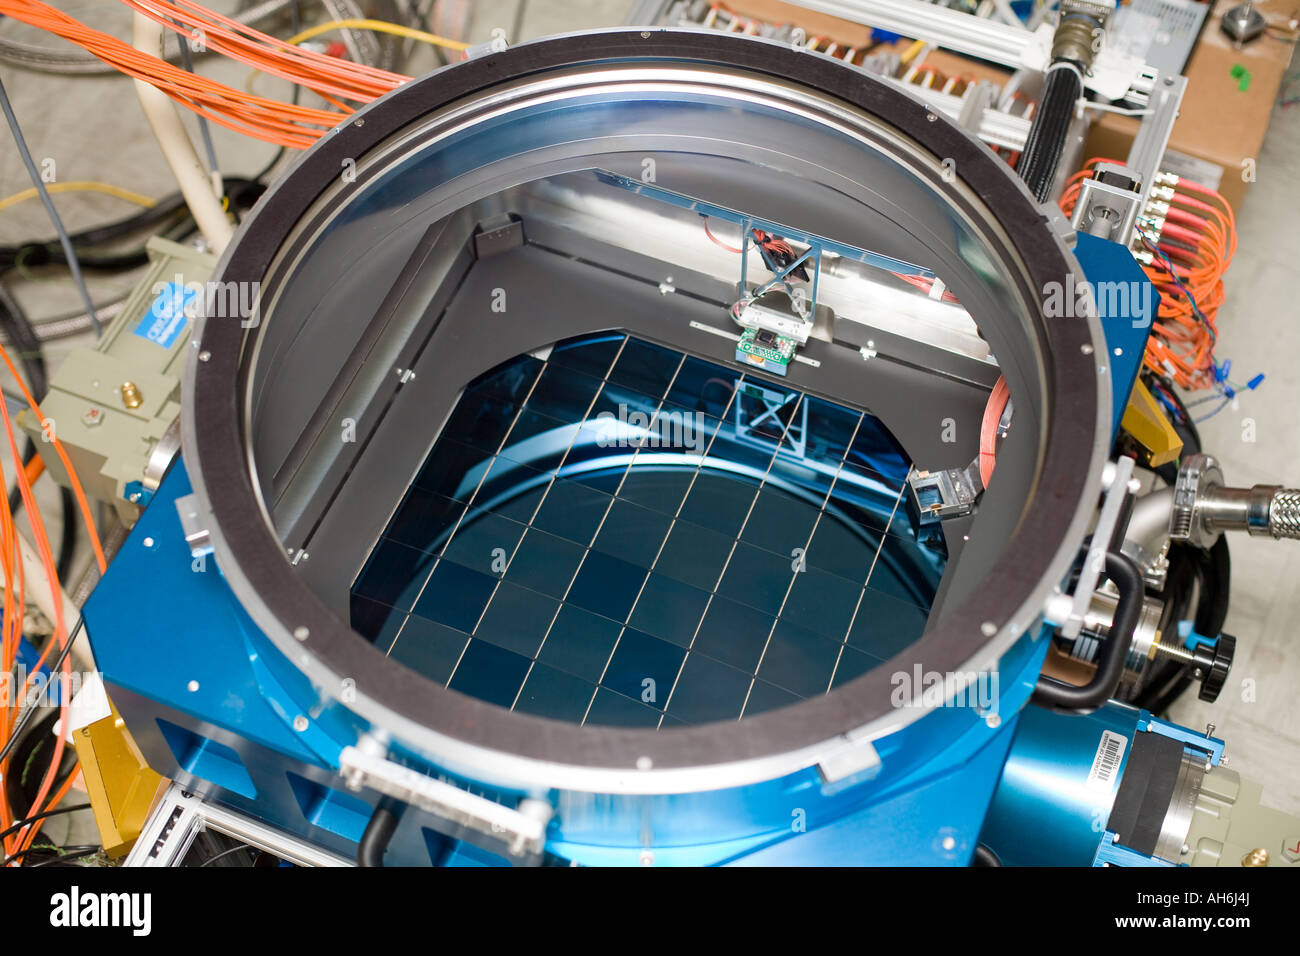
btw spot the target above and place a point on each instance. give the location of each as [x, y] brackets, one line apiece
[545, 561]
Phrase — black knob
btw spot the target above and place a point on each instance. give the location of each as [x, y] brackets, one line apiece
[1214, 669]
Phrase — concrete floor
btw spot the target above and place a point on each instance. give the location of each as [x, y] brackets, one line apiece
[1258, 442]
[93, 129]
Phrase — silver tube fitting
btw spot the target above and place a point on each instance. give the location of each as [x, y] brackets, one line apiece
[1204, 507]
[1238, 509]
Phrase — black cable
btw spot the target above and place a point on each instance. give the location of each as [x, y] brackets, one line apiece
[223, 854]
[1207, 574]
[63, 860]
[35, 255]
[379, 832]
[256, 179]
[293, 100]
[41, 816]
[67, 534]
[1184, 420]
[159, 212]
[1049, 692]
[30, 761]
[25, 719]
[12, 857]
[20, 332]
[422, 23]
[48, 848]
[1216, 581]
[204, 132]
[517, 29]
[984, 856]
[1164, 680]
[53, 213]
[1170, 684]
[241, 193]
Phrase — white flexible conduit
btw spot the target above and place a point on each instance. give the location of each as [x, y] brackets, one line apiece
[38, 593]
[191, 176]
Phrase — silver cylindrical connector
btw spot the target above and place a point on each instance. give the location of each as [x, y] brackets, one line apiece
[1079, 31]
[1204, 507]
[1260, 510]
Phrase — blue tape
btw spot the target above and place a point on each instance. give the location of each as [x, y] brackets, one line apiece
[168, 316]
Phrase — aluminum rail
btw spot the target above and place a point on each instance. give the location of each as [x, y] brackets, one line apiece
[951, 29]
[994, 126]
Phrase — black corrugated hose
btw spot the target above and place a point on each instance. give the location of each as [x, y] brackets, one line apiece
[1062, 88]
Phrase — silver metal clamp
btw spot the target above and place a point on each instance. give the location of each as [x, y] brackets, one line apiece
[1204, 507]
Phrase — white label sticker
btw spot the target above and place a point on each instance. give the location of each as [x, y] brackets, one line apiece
[1133, 33]
[1106, 762]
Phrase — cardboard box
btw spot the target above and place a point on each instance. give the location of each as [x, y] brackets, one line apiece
[1219, 132]
[1221, 127]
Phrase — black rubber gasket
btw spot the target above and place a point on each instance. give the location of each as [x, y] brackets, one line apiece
[1071, 383]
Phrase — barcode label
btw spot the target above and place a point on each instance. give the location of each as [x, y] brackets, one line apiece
[1104, 765]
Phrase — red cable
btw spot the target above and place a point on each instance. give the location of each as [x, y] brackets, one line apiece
[997, 404]
[718, 242]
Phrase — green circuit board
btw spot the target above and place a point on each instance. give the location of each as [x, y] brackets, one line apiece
[766, 349]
